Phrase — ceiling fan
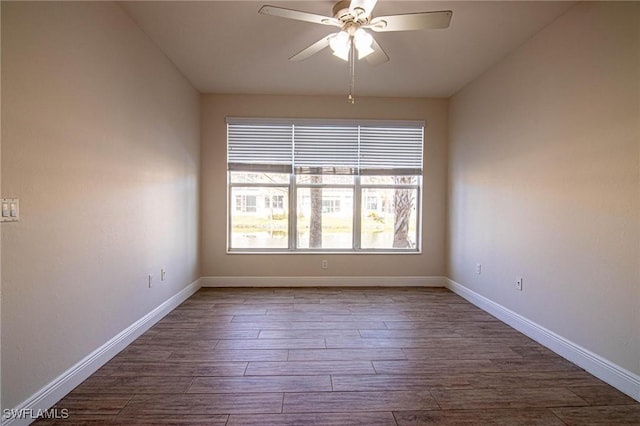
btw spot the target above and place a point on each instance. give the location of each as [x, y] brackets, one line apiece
[354, 18]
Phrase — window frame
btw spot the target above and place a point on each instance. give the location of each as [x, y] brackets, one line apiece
[357, 188]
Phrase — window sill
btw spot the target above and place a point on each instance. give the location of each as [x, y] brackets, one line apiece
[327, 252]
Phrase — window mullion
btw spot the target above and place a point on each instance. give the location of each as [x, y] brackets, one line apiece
[357, 214]
[293, 196]
[293, 212]
[230, 208]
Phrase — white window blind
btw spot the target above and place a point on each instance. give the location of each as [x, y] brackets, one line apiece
[325, 146]
[391, 150]
[327, 149]
[259, 147]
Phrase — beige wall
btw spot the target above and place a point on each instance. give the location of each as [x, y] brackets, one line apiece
[545, 184]
[100, 141]
[215, 261]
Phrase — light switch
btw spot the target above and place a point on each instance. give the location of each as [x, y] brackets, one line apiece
[10, 209]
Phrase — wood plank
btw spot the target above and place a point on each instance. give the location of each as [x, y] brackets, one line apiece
[601, 394]
[142, 354]
[460, 351]
[159, 343]
[532, 379]
[298, 368]
[607, 415]
[319, 402]
[84, 420]
[521, 364]
[209, 404]
[317, 343]
[307, 334]
[435, 366]
[493, 417]
[326, 419]
[382, 382]
[425, 342]
[254, 384]
[469, 399]
[309, 325]
[408, 334]
[205, 334]
[173, 369]
[93, 404]
[221, 355]
[134, 385]
[345, 354]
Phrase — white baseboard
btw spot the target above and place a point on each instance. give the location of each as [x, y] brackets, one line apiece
[323, 281]
[605, 370]
[46, 397]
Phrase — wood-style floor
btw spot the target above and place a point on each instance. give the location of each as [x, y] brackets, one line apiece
[340, 356]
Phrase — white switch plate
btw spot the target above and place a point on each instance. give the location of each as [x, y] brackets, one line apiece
[10, 210]
[519, 283]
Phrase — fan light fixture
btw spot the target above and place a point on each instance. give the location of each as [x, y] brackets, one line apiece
[341, 42]
[344, 43]
[353, 17]
[363, 41]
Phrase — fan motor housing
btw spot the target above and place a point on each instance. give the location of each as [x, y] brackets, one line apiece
[341, 11]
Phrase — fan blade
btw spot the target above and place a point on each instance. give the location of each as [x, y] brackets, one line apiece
[299, 16]
[311, 50]
[378, 56]
[362, 8]
[411, 21]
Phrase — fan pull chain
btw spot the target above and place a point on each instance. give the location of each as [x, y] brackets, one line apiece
[352, 71]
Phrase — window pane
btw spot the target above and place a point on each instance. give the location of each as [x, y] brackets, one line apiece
[259, 217]
[325, 179]
[389, 180]
[258, 177]
[389, 218]
[325, 218]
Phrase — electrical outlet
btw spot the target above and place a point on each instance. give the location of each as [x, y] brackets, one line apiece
[519, 283]
[163, 274]
[324, 264]
[478, 268]
[150, 280]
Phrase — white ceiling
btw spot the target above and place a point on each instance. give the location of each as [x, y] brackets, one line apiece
[227, 47]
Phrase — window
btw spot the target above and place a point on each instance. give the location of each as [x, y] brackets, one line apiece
[330, 205]
[274, 202]
[372, 203]
[245, 203]
[328, 185]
